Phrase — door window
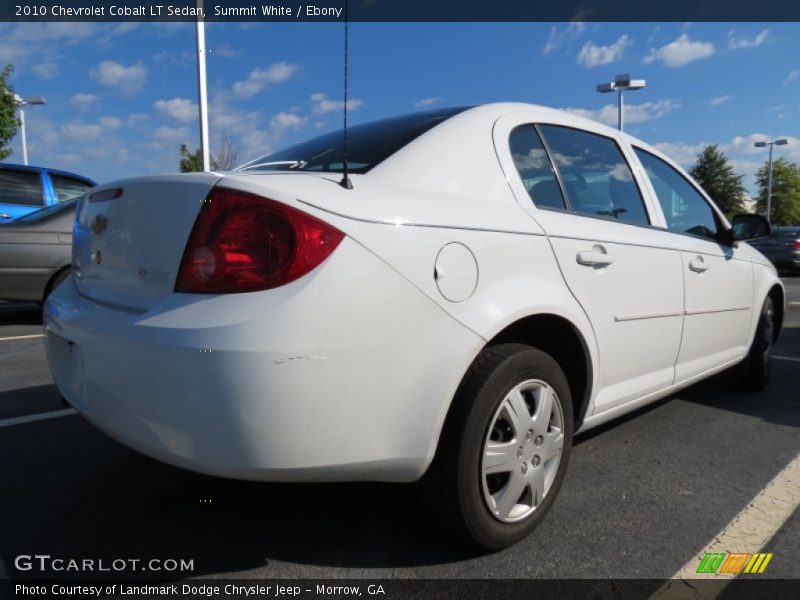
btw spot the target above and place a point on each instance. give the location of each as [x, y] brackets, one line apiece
[595, 174]
[21, 187]
[685, 209]
[534, 168]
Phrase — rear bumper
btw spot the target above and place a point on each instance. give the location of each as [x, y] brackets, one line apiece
[345, 374]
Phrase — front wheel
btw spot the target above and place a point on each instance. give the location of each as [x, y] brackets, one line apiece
[504, 448]
[758, 364]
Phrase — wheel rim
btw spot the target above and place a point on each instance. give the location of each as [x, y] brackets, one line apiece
[522, 451]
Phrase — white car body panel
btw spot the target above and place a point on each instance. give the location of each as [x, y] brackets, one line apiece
[348, 373]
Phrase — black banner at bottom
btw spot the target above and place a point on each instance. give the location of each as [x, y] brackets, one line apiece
[396, 589]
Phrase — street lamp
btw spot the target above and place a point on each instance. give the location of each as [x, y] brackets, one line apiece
[780, 142]
[620, 84]
[202, 91]
[21, 104]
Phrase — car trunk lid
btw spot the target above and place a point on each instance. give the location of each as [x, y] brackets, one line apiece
[127, 249]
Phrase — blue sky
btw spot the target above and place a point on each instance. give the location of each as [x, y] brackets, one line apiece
[122, 97]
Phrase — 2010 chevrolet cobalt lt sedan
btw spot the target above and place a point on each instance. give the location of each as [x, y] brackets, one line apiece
[483, 284]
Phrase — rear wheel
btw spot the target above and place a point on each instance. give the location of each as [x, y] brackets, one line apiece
[758, 364]
[504, 449]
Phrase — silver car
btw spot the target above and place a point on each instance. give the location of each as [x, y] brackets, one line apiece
[782, 247]
[35, 252]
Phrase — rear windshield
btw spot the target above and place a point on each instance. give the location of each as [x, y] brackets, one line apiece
[367, 145]
[786, 233]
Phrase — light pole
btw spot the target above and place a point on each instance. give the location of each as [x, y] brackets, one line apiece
[780, 142]
[202, 90]
[620, 84]
[21, 104]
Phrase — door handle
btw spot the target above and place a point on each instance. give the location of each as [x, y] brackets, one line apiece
[698, 265]
[5, 216]
[592, 258]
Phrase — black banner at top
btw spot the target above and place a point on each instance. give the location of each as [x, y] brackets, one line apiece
[400, 10]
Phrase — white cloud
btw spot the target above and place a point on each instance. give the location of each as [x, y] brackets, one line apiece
[792, 76]
[592, 55]
[182, 110]
[426, 102]
[128, 80]
[81, 132]
[110, 122]
[283, 121]
[558, 37]
[46, 70]
[717, 100]
[737, 43]
[170, 134]
[634, 113]
[262, 78]
[322, 105]
[680, 52]
[83, 101]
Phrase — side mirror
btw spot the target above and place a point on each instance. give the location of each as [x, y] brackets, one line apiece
[749, 226]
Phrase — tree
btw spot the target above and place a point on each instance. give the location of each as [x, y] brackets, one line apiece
[785, 191]
[8, 114]
[225, 160]
[191, 161]
[715, 174]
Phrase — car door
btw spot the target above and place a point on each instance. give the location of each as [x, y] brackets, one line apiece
[21, 192]
[579, 187]
[718, 277]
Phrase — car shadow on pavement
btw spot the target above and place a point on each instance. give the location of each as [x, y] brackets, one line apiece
[20, 314]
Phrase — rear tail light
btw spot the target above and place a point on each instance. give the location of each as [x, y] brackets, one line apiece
[244, 243]
[796, 244]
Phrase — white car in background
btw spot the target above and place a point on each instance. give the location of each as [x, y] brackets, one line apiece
[497, 279]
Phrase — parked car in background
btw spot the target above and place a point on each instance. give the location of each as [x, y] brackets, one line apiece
[24, 189]
[35, 252]
[493, 280]
[782, 247]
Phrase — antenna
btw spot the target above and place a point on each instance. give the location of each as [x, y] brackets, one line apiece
[345, 182]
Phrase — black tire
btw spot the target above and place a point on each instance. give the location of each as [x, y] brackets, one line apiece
[56, 281]
[453, 486]
[758, 364]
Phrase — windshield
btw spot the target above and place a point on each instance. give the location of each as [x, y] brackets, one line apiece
[43, 213]
[367, 145]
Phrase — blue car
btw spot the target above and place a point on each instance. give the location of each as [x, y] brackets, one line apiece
[25, 189]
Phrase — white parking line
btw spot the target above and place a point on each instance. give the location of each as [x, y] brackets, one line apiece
[748, 532]
[790, 358]
[22, 337]
[38, 417]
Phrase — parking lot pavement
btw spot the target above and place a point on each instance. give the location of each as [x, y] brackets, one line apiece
[642, 495]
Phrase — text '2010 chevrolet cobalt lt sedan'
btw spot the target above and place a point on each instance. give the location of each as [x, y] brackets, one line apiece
[493, 280]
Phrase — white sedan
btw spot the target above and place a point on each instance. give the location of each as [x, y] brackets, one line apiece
[485, 283]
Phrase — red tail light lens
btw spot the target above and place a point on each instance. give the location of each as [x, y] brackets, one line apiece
[245, 243]
[796, 244]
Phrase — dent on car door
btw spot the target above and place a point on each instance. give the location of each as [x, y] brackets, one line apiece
[619, 269]
[718, 277]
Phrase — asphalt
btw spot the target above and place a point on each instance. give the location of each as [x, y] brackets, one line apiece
[642, 495]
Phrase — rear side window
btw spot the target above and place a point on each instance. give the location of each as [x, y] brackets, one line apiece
[685, 210]
[67, 188]
[21, 187]
[595, 174]
[534, 167]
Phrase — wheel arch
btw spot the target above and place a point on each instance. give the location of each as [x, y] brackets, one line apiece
[52, 280]
[562, 340]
